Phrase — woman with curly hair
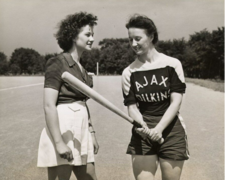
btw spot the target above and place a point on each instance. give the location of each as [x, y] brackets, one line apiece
[68, 141]
[153, 86]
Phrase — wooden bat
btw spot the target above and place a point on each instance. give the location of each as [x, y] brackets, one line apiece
[82, 87]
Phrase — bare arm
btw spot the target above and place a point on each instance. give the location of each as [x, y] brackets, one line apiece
[92, 131]
[51, 115]
[135, 114]
[90, 126]
[171, 112]
[52, 121]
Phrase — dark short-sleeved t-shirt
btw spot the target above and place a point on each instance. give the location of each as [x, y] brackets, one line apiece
[55, 67]
[149, 85]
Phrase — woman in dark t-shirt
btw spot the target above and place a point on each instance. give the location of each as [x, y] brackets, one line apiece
[153, 86]
[68, 141]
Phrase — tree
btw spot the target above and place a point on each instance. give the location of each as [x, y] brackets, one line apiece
[15, 69]
[175, 48]
[115, 55]
[26, 61]
[89, 59]
[3, 64]
[48, 56]
[217, 45]
[200, 43]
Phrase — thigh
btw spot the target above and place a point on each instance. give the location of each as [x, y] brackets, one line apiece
[144, 167]
[171, 170]
[85, 172]
[175, 146]
[62, 172]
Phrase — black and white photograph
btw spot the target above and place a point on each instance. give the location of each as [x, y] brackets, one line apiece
[112, 90]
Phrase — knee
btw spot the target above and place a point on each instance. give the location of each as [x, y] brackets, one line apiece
[86, 172]
[62, 172]
[91, 172]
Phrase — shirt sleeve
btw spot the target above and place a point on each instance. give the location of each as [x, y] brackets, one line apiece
[127, 88]
[177, 79]
[53, 74]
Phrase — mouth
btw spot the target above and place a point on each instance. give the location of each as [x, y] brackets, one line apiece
[89, 43]
[136, 48]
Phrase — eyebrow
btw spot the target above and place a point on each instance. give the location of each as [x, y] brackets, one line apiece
[89, 33]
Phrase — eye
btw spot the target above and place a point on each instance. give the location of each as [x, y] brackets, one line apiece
[90, 34]
[137, 38]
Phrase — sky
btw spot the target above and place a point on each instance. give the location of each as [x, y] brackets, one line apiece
[33, 23]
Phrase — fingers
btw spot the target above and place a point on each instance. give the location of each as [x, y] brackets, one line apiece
[142, 132]
[67, 155]
[70, 156]
[63, 156]
[153, 134]
[156, 136]
[96, 148]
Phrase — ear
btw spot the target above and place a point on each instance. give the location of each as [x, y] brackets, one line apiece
[75, 40]
[151, 37]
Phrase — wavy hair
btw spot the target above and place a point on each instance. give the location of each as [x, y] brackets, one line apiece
[69, 28]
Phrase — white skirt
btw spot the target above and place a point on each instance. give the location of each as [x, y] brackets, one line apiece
[73, 122]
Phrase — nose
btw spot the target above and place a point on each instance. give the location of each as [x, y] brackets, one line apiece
[91, 38]
[134, 43]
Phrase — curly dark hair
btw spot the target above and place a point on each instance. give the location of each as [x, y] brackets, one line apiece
[143, 22]
[70, 26]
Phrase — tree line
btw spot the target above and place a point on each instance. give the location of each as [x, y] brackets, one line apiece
[202, 56]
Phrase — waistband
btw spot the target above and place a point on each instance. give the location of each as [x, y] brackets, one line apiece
[75, 102]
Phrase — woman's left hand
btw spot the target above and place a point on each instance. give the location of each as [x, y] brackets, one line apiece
[155, 134]
[95, 143]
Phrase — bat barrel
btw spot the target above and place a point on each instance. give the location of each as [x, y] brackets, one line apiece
[67, 77]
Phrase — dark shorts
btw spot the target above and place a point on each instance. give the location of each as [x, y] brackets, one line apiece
[174, 147]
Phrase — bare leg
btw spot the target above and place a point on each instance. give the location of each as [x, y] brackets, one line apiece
[85, 172]
[171, 170]
[62, 172]
[144, 167]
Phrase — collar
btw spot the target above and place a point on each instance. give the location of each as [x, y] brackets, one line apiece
[69, 59]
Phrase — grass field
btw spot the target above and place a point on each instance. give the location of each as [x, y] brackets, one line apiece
[22, 119]
[211, 84]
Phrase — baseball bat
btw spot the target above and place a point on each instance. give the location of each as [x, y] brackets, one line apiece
[82, 87]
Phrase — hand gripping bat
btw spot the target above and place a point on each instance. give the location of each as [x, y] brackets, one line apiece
[82, 87]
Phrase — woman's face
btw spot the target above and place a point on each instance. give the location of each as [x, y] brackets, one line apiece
[85, 39]
[139, 40]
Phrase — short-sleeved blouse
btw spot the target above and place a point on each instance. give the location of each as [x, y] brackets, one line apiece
[53, 72]
[149, 85]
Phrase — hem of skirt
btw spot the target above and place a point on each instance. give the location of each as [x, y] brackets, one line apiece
[70, 164]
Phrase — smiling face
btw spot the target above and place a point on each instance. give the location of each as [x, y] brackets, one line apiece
[139, 40]
[85, 39]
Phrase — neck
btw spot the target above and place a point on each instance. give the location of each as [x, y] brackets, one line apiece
[75, 53]
[150, 56]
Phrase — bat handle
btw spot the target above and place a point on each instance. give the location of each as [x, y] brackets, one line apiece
[161, 140]
[138, 125]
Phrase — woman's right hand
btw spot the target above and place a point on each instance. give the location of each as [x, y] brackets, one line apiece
[64, 151]
[143, 131]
